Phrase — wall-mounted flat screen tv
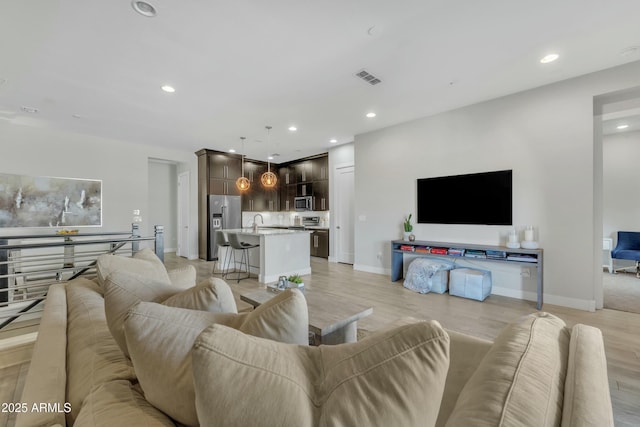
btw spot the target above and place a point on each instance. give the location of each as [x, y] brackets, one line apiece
[478, 198]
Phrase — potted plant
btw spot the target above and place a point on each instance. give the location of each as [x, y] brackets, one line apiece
[408, 228]
[295, 281]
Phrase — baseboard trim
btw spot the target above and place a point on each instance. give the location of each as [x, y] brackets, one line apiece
[514, 293]
[580, 304]
[370, 269]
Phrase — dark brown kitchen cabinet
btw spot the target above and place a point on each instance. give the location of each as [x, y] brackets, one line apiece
[287, 197]
[320, 168]
[225, 187]
[304, 189]
[304, 171]
[320, 243]
[223, 166]
[287, 175]
[253, 199]
[321, 196]
[270, 197]
[217, 174]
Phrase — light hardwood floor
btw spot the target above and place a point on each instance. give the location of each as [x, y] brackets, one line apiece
[486, 319]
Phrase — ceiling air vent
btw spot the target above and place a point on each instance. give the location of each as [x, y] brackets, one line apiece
[368, 77]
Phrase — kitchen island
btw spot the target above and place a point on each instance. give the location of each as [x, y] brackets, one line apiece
[281, 252]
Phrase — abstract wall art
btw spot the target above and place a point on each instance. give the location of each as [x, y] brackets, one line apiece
[28, 201]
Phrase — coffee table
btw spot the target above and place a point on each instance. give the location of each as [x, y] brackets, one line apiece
[332, 319]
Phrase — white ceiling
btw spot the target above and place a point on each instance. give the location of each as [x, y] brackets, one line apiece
[96, 67]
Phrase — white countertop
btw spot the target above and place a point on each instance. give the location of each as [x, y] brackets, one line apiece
[264, 231]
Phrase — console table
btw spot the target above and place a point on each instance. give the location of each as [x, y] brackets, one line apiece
[397, 257]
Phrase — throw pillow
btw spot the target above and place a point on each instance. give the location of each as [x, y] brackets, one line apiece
[391, 378]
[122, 290]
[521, 379]
[143, 262]
[160, 339]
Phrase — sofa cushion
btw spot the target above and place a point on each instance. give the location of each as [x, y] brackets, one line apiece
[144, 262]
[93, 357]
[160, 339]
[123, 289]
[118, 403]
[520, 382]
[183, 277]
[587, 401]
[465, 354]
[391, 378]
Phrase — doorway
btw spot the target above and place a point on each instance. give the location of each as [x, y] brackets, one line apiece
[344, 232]
[183, 215]
[163, 189]
[620, 143]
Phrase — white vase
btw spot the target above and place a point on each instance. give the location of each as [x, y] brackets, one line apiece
[406, 235]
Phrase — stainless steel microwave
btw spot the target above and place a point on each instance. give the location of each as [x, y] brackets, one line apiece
[304, 203]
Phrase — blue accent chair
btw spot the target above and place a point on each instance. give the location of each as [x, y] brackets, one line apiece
[628, 247]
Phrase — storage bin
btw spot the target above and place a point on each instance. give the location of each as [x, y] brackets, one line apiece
[470, 283]
[428, 275]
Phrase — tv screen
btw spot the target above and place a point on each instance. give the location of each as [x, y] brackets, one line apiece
[478, 198]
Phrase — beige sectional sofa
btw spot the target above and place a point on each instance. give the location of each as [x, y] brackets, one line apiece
[212, 366]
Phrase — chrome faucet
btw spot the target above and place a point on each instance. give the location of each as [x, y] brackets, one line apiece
[255, 224]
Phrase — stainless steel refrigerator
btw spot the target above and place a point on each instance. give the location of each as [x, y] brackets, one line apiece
[225, 212]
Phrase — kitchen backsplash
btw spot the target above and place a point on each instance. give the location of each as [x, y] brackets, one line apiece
[283, 218]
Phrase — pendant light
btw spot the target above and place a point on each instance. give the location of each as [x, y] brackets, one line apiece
[243, 183]
[268, 178]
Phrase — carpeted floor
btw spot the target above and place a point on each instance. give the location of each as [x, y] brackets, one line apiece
[621, 292]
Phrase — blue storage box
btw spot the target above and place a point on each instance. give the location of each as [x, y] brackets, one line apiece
[470, 283]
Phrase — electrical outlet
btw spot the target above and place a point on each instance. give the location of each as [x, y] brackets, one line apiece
[526, 272]
[379, 255]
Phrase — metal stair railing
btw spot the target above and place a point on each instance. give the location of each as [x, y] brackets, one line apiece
[29, 264]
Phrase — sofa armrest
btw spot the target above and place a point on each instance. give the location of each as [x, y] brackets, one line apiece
[46, 379]
[183, 277]
[587, 399]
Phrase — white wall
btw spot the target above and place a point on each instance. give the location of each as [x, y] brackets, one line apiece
[163, 201]
[621, 172]
[122, 167]
[544, 135]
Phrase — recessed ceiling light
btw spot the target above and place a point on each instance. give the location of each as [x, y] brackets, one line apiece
[270, 157]
[293, 128]
[232, 150]
[371, 115]
[333, 141]
[549, 58]
[622, 126]
[30, 110]
[168, 89]
[144, 8]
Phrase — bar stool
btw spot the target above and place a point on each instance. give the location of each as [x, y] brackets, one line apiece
[237, 245]
[222, 242]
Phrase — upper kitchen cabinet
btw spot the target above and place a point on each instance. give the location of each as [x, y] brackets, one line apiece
[217, 173]
[286, 175]
[253, 171]
[224, 166]
[320, 168]
[303, 171]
